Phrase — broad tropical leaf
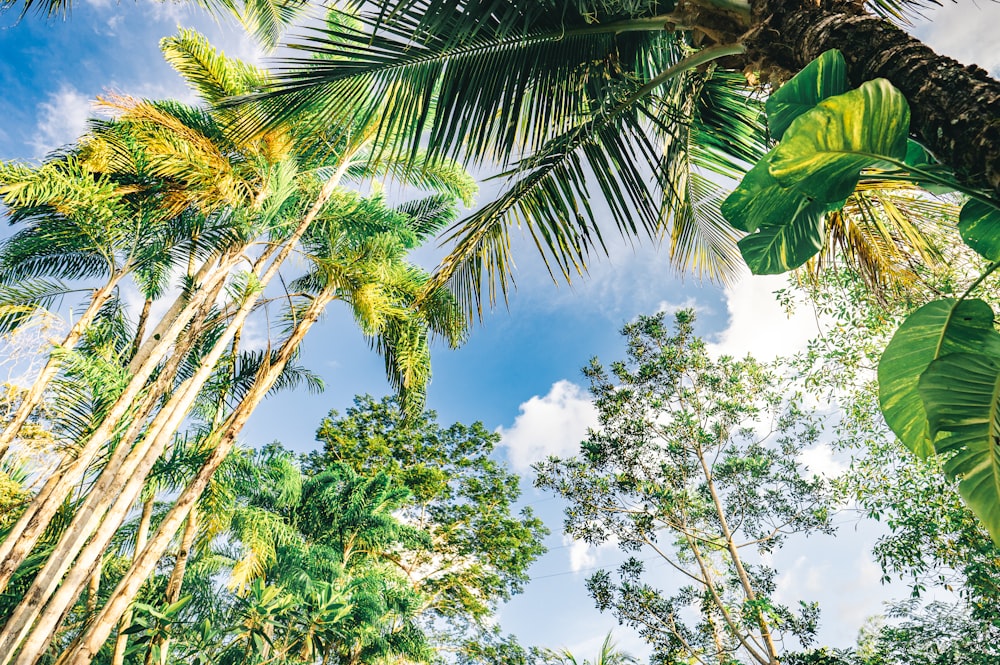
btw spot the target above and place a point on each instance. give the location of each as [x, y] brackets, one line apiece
[825, 149]
[777, 248]
[824, 77]
[936, 329]
[979, 224]
[760, 199]
[961, 392]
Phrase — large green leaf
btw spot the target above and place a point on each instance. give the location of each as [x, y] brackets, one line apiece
[979, 224]
[824, 149]
[760, 199]
[824, 77]
[961, 392]
[936, 329]
[778, 248]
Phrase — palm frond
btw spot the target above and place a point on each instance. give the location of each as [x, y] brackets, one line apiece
[888, 232]
[720, 135]
[429, 215]
[23, 299]
[210, 73]
[489, 80]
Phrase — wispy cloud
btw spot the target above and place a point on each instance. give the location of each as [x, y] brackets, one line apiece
[964, 31]
[62, 118]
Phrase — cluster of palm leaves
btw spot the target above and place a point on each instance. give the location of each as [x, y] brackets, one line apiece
[167, 206]
[592, 111]
[307, 569]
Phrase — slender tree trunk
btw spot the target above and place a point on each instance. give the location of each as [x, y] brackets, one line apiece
[128, 464]
[140, 329]
[734, 628]
[39, 638]
[93, 588]
[141, 536]
[177, 574]
[33, 397]
[91, 641]
[954, 109]
[135, 468]
[42, 634]
[107, 511]
[30, 526]
[734, 555]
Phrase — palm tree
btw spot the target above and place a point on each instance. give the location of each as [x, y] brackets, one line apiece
[574, 96]
[366, 271]
[270, 197]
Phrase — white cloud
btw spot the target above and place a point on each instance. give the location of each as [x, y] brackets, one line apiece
[758, 325]
[820, 460]
[580, 555]
[669, 307]
[61, 119]
[550, 425]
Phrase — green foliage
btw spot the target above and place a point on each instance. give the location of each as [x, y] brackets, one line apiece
[459, 497]
[828, 136]
[935, 401]
[961, 392]
[683, 467]
[938, 634]
[936, 329]
[824, 77]
[776, 248]
[931, 540]
[979, 224]
[824, 150]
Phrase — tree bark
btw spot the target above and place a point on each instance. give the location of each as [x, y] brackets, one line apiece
[954, 109]
[141, 536]
[89, 644]
[173, 593]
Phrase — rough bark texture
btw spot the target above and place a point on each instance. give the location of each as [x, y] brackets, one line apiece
[954, 109]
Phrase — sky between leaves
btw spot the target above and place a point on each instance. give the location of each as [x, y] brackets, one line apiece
[519, 372]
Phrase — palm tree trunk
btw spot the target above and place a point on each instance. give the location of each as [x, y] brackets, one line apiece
[33, 522]
[105, 513]
[93, 588]
[33, 396]
[41, 636]
[109, 513]
[140, 328]
[141, 536]
[177, 574]
[955, 110]
[91, 641]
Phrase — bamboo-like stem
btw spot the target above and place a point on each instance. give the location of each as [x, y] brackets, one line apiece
[140, 328]
[176, 581]
[33, 522]
[141, 536]
[91, 641]
[106, 494]
[42, 634]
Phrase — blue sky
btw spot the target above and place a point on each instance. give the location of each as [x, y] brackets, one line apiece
[519, 372]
